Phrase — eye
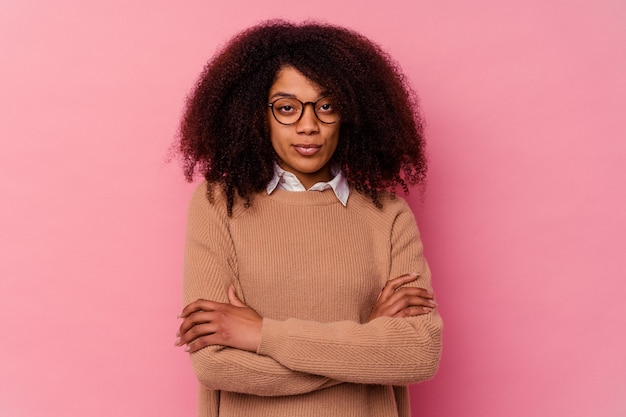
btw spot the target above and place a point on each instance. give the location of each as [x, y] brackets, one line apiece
[287, 106]
[326, 107]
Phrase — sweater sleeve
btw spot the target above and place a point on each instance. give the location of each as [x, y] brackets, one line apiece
[210, 267]
[395, 351]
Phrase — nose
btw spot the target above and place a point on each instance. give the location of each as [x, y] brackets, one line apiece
[308, 123]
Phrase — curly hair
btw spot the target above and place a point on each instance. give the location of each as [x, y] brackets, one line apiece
[224, 133]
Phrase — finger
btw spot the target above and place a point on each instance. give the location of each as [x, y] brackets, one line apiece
[419, 301]
[384, 301]
[402, 299]
[422, 292]
[390, 307]
[417, 296]
[404, 279]
[201, 330]
[393, 284]
[200, 343]
[195, 319]
[197, 305]
[413, 311]
[232, 297]
[415, 291]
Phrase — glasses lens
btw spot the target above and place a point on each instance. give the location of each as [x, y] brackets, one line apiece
[287, 110]
[326, 111]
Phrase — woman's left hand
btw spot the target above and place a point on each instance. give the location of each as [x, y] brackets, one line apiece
[396, 300]
[232, 324]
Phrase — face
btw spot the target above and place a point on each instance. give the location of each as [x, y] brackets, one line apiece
[306, 147]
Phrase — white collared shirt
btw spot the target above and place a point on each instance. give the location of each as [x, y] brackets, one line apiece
[287, 181]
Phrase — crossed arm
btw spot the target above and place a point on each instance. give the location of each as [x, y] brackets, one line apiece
[238, 326]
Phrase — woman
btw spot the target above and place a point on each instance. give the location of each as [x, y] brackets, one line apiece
[303, 132]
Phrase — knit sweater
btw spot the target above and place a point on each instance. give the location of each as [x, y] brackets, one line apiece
[312, 269]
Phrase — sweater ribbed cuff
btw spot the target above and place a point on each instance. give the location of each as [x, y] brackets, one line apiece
[271, 335]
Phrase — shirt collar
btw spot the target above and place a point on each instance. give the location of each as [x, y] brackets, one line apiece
[287, 181]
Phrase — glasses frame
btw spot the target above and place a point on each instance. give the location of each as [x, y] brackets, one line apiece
[313, 105]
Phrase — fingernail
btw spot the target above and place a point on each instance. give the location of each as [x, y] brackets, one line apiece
[177, 333]
[414, 274]
[177, 341]
[187, 348]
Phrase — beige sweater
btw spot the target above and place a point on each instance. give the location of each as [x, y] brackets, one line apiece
[313, 269]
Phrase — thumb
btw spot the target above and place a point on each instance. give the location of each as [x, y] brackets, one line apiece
[233, 299]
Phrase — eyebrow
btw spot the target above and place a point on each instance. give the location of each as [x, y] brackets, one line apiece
[281, 94]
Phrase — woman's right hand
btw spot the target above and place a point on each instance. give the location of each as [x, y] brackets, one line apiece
[397, 301]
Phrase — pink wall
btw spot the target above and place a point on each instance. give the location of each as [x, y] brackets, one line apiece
[523, 219]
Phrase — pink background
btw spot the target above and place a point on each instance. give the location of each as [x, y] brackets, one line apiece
[523, 220]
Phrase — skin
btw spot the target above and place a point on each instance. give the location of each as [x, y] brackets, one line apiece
[234, 324]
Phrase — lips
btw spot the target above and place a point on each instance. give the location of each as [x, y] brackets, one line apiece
[307, 149]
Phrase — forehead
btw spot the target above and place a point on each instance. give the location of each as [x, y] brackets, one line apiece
[291, 82]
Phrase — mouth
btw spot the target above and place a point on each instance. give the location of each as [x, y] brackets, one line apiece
[307, 149]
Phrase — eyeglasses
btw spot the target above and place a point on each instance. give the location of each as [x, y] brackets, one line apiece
[288, 111]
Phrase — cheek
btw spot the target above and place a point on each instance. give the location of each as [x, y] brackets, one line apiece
[280, 144]
[334, 138]
[274, 135]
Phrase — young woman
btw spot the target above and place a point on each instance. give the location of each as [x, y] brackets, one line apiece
[302, 133]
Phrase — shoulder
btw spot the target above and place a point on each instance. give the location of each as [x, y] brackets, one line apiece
[210, 198]
[394, 210]
[199, 194]
[205, 195]
[392, 205]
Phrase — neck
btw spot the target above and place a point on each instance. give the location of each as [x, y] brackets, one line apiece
[308, 180]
